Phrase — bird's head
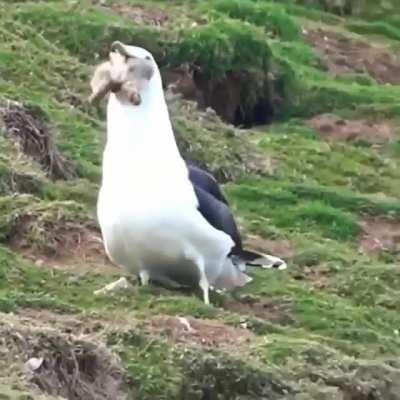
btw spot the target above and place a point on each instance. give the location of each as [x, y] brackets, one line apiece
[127, 73]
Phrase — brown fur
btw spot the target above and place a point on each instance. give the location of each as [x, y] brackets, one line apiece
[120, 75]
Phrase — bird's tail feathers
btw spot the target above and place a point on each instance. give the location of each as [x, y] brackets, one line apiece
[253, 258]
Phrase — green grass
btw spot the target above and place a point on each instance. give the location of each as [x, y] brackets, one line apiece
[332, 311]
[331, 212]
[272, 17]
[84, 31]
[302, 157]
[25, 285]
[376, 28]
[224, 45]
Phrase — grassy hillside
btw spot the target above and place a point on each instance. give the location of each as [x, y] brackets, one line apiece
[318, 186]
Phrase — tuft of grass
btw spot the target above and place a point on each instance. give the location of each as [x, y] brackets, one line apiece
[224, 45]
[345, 199]
[271, 16]
[329, 221]
[207, 141]
[380, 28]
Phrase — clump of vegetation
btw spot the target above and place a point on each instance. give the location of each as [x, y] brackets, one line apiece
[232, 55]
[205, 140]
[272, 17]
[222, 46]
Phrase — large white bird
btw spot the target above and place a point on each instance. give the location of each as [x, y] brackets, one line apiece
[160, 217]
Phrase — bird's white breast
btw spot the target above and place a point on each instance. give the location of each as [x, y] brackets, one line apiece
[147, 207]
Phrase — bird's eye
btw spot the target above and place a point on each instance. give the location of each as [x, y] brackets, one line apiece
[147, 58]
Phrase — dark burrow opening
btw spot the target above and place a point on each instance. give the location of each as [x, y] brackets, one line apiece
[228, 97]
[262, 113]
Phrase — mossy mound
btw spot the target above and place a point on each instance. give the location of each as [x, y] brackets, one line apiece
[43, 227]
[205, 140]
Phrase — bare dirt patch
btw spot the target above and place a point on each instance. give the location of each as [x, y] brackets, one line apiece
[379, 235]
[199, 331]
[260, 307]
[59, 364]
[65, 243]
[343, 55]
[335, 128]
[141, 15]
[63, 323]
[27, 126]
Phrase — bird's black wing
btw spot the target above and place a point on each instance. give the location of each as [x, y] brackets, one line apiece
[215, 209]
[218, 215]
[205, 181]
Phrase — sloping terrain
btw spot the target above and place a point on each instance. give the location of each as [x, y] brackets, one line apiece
[294, 105]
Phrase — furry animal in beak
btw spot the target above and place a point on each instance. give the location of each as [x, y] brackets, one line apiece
[124, 74]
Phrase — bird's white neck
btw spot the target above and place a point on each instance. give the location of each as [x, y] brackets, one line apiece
[130, 127]
[140, 140]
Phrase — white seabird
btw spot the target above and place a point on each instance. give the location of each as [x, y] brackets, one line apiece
[160, 217]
